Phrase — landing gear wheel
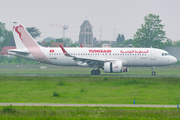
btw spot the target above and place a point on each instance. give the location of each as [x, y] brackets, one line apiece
[153, 73]
[93, 72]
[98, 72]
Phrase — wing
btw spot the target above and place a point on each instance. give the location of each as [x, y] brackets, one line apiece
[91, 61]
[87, 61]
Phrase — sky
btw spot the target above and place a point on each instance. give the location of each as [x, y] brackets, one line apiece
[113, 17]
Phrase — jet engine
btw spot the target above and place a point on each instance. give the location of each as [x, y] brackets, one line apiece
[116, 67]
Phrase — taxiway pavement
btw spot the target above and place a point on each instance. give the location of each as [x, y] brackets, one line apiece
[24, 74]
[85, 105]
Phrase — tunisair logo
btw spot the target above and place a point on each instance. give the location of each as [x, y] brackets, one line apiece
[116, 66]
[16, 29]
[99, 51]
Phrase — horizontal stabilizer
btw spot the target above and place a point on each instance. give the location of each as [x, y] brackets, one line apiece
[19, 51]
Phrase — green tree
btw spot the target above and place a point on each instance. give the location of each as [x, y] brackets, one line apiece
[48, 44]
[34, 32]
[59, 40]
[5, 35]
[127, 42]
[74, 45]
[151, 33]
[2, 29]
[120, 38]
[168, 43]
[67, 42]
[177, 43]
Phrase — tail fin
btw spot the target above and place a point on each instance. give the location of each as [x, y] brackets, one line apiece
[22, 38]
[24, 41]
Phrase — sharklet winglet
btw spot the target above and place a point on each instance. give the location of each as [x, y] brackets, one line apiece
[81, 45]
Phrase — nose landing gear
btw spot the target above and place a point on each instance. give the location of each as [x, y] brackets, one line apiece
[153, 72]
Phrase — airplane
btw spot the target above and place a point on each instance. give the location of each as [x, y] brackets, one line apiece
[111, 60]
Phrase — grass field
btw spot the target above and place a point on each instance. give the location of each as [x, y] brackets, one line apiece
[86, 70]
[87, 113]
[90, 89]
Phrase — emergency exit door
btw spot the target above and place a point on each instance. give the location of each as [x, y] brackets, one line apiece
[153, 55]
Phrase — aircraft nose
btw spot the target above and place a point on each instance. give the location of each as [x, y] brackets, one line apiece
[174, 60]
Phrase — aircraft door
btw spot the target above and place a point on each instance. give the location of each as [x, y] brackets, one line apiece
[153, 55]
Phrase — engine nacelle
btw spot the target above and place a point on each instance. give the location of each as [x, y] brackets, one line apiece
[110, 67]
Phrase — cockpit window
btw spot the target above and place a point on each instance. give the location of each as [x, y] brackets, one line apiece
[165, 54]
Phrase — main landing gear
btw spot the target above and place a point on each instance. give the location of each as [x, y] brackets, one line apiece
[95, 72]
[153, 72]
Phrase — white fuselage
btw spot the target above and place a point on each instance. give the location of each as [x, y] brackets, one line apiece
[131, 57]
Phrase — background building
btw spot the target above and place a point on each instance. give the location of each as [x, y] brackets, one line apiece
[86, 34]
